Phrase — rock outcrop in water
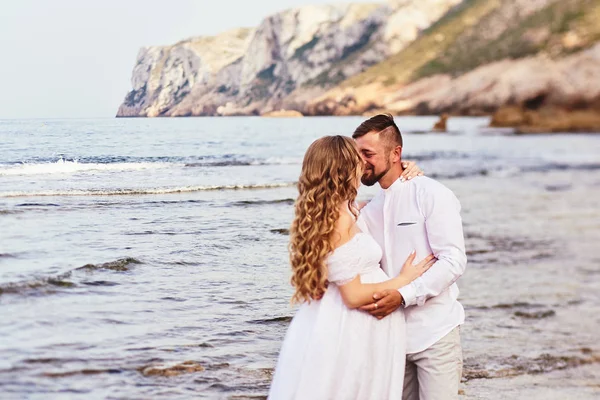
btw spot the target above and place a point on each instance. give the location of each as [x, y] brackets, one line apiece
[172, 369]
[291, 58]
[283, 114]
[547, 119]
[468, 57]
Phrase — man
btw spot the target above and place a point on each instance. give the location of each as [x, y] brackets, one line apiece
[419, 214]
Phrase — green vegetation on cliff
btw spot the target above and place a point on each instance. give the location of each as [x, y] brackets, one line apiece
[478, 32]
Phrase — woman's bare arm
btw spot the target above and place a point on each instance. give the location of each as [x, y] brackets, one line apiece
[357, 294]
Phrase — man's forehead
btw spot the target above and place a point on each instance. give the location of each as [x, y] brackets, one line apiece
[370, 139]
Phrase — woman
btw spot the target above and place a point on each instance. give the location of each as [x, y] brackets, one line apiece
[332, 350]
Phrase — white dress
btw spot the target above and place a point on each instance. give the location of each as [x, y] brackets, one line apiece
[333, 352]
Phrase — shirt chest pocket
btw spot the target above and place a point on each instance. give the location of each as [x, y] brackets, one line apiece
[408, 220]
[409, 227]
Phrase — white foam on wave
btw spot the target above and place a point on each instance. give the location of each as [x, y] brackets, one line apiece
[70, 167]
[142, 191]
[278, 161]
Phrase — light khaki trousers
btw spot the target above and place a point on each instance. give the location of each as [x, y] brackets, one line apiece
[434, 373]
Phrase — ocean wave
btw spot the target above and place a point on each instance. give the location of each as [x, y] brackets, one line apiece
[121, 264]
[36, 285]
[280, 161]
[69, 167]
[274, 320]
[561, 167]
[64, 280]
[165, 233]
[142, 191]
[253, 203]
[85, 371]
[64, 165]
[521, 365]
[506, 172]
[242, 161]
[232, 163]
[438, 155]
[38, 205]
[9, 212]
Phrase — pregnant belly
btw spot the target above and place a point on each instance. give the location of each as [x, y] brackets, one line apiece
[374, 275]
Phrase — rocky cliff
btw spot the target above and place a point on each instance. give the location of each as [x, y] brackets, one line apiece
[405, 56]
[290, 59]
[483, 55]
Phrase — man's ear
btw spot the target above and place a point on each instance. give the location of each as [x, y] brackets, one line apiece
[397, 154]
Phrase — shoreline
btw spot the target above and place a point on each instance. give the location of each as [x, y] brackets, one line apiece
[523, 121]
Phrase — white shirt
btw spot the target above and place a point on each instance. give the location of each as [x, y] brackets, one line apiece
[423, 215]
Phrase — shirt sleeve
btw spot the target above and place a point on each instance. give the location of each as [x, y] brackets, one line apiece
[441, 210]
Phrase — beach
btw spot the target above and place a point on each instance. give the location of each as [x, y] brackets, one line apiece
[147, 258]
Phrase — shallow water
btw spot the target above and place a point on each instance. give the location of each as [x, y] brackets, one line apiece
[132, 243]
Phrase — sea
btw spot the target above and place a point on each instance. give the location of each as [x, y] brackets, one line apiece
[147, 258]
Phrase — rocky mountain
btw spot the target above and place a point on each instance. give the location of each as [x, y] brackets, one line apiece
[483, 55]
[467, 57]
[291, 58]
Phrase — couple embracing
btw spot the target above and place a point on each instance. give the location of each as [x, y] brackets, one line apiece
[379, 317]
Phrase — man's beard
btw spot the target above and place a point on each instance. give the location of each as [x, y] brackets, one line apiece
[373, 179]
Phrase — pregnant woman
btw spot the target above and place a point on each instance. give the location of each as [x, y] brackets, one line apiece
[331, 349]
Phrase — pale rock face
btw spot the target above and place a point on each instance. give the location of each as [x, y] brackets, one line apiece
[181, 67]
[291, 57]
[292, 48]
[411, 17]
[164, 76]
[142, 82]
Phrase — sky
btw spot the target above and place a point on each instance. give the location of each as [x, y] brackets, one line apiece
[74, 58]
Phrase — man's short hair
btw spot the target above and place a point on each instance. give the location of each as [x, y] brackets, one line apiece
[383, 124]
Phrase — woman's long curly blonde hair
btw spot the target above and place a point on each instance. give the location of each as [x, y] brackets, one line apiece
[330, 173]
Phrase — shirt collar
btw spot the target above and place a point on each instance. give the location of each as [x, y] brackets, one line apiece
[394, 186]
